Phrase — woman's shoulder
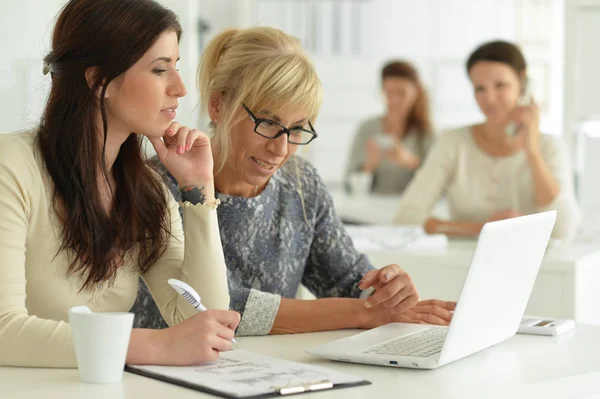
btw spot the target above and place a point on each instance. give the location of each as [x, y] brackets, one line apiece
[370, 126]
[551, 140]
[18, 141]
[551, 144]
[301, 183]
[455, 137]
[298, 167]
[17, 151]
[299, 174]
[20, 168]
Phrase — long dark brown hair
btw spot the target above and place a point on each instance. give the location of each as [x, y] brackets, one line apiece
[419, 119]
[109, 35]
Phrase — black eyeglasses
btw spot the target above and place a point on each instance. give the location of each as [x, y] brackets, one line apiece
[272, 130]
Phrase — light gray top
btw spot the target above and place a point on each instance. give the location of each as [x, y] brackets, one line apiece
[477, 184]
[388, 178]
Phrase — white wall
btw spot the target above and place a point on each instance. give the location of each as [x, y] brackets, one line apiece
[581, 64]
[437, 35]
[25, 30]
[25, 34]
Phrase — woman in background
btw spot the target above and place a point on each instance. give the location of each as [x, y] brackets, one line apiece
[391, 147]
[487, 172]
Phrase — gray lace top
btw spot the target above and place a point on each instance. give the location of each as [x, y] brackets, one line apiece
[272, 243]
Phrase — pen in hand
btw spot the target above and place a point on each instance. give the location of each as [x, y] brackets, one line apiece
[190, 294]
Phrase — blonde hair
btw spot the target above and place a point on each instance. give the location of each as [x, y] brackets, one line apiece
[261, 67]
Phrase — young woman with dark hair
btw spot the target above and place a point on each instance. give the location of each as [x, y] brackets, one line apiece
[83, 216]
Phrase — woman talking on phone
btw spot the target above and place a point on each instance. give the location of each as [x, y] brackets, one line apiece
[83, 216]
[498, 169]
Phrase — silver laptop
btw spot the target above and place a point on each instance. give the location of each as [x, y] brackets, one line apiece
[491, 304]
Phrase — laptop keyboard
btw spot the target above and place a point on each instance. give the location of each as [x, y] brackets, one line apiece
[422, 344]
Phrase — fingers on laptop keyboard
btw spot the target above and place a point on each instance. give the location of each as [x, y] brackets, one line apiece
[448, 305]
[432, 314]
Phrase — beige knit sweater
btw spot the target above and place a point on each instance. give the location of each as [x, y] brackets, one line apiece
[35, 290]
[477, 185]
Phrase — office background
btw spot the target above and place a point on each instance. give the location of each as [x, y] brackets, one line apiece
[349, 41]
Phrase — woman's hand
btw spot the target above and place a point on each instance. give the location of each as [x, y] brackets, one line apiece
[187, 155]
[394, 288]
[431, 311]
[403, 157]
[373, 157]
[396, 300]
[200, 338]
[528, 120]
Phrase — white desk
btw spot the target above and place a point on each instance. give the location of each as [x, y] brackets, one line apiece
[373, 209]
[567, 285]
[522, 367]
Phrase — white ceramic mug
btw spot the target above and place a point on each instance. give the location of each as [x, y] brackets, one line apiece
[101, 343]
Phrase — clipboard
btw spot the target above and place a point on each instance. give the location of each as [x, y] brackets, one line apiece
[240, 374]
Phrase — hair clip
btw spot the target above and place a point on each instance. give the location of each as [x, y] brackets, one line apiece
[48, 69]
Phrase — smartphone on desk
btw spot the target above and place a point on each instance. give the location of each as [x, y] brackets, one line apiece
[539, 326]
[525, 99]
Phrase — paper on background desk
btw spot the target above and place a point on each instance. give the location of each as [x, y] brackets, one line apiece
[241, 373]
[396, 238]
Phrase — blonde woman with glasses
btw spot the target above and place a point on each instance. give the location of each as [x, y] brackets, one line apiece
[277, 221]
